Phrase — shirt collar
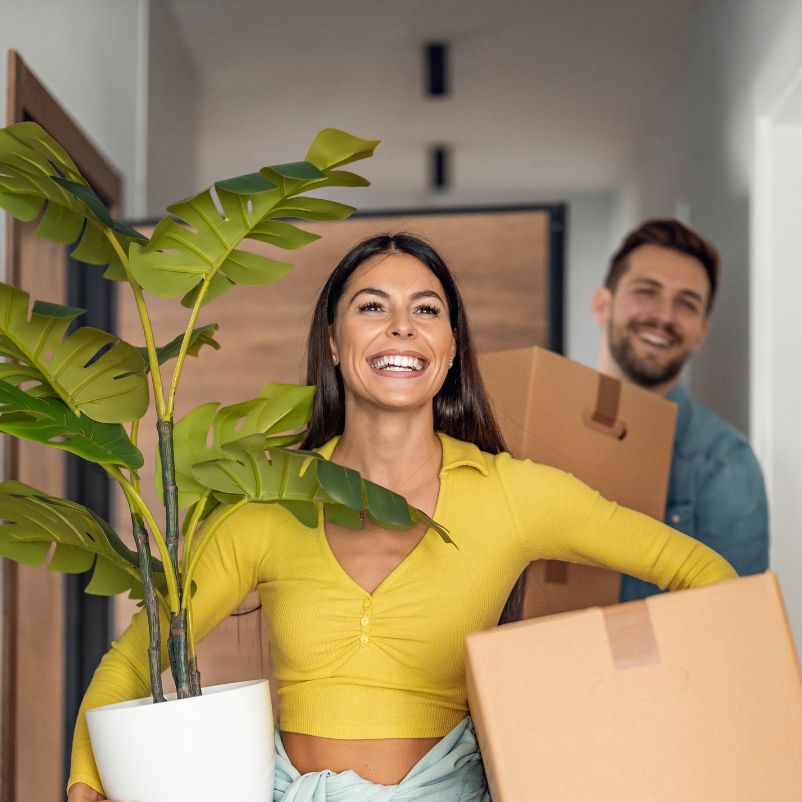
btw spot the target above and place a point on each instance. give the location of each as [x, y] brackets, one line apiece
[456, 453]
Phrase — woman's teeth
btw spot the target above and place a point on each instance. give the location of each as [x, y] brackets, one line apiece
[398, 363]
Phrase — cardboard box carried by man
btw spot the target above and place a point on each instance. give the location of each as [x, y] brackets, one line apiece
[612, 435]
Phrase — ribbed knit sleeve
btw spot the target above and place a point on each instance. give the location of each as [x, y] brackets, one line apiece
[560, 518]
[227, 571]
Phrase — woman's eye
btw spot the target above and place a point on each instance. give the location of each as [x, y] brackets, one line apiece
[428, 309]
[370, 306]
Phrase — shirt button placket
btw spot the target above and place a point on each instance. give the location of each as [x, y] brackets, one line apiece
[364, 638]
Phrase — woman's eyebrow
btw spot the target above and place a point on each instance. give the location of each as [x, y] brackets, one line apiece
[368, 291]
[427, 294]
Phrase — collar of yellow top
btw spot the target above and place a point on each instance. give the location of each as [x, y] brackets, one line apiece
[456, 453]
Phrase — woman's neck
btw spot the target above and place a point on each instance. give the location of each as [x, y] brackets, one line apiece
[389, 448]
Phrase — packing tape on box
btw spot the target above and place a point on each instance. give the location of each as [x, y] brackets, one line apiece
[608, 396]
[631, 635]
[605, 414]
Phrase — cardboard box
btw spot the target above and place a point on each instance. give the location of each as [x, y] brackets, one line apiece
[692, 696]
[614, 436]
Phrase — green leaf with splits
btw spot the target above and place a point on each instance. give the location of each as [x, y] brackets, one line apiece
[50, 421]
[31, 522]
[201, 336]
[36, 173]
[200, 245]
[303, 481]
[92, 371]
[334, 148]
[209, 430]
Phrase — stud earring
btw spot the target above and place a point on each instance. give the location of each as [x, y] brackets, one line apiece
[334, 359]
[450, 363]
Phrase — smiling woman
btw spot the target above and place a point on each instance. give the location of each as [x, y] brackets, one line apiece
[367, 628]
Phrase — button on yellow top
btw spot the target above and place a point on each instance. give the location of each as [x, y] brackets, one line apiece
[364, 621]
[363, 639]
[366, 603]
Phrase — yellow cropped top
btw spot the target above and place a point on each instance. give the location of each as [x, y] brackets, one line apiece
[391, 664]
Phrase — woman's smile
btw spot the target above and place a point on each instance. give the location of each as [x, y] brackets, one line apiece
[399, 364]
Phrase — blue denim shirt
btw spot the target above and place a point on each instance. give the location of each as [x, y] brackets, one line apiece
[715, 492]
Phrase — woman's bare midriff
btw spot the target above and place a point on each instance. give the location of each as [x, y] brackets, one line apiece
[385, 761]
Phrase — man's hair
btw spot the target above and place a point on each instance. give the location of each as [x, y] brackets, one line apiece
[669, 234]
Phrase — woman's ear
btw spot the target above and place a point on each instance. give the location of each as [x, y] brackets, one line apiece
[335, 356]
[452, 352]
[600, 305]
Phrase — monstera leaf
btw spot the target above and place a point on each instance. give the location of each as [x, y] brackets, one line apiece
[302, 480]
[207, 431]
[50, 421]
[92, 371]
[36, 172]
[202, 335]
[32, 521]
[202, 246]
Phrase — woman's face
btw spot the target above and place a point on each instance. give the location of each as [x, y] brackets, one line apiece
[392, 334]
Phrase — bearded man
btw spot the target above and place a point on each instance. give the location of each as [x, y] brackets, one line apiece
[654, 310]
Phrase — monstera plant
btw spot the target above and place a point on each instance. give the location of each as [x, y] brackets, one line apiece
[85, 390]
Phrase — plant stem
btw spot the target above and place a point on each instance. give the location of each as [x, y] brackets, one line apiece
[194, 674]
[178, 654]
[151, 606]
[136, 501]
[166, 452]
[182, 353]
[193, 525]
[192, 559]
[147, 330]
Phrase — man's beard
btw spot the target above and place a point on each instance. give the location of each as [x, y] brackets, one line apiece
[642, 371]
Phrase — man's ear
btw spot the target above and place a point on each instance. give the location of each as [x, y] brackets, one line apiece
[699, 341]
[600, 305]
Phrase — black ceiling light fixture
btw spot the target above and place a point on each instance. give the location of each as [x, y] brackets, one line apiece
[436, 77]
[440, 167]
[436, 69]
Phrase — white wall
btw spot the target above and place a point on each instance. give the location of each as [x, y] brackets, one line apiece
[173, 96]
[701, 155]
[777, 331]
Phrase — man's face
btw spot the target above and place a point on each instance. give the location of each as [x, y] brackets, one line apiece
[656, 318]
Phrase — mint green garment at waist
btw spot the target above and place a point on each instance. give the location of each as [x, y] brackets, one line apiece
[450, 772]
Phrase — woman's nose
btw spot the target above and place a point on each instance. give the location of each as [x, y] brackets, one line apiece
[401, 326]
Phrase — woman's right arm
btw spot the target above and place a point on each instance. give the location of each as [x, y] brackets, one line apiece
[227, 571]
[561, 518]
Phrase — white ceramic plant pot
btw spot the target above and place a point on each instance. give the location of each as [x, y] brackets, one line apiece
[209, 748]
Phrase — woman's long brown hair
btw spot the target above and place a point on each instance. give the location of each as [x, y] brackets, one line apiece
[461, 407]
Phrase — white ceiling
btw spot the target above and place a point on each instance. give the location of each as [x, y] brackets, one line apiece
[552, 94]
